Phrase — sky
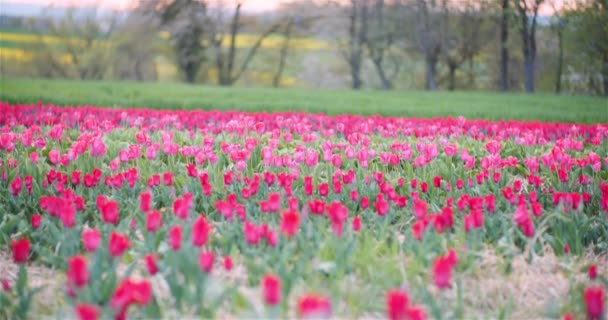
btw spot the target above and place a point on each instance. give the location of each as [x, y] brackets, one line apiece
[249, 5]
[252, 5]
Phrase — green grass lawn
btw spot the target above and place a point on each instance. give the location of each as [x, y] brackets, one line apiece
[485, 105]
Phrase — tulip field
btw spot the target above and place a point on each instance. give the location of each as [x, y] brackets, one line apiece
[140, 213]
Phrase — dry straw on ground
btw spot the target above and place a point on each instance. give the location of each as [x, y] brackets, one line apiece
[528, 289]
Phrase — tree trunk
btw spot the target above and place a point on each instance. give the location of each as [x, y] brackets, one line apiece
[471, 72]
[378, 47]
[276, 80]
[355, 75]
[190, 75]
[451, 77]
[386, 83]
[234, 30]
[560, 61]
[528, 32]
[529, 73]
[355, 38]
[431, 66]
[504, 51]
[225, 79]
[605, 73]
[532, 67]
[138, 73]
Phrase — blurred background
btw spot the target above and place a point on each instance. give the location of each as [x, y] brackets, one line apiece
[550, 46]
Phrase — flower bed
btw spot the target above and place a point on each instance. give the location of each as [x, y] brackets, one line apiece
[180, 213]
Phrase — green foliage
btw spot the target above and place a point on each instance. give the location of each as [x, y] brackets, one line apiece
[587, 36]
[404, 104]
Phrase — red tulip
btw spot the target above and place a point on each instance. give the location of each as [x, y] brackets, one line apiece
[228, 178]
[168, 178]
[181, 206]
[592, 271]
[109, 210]
[424, 187]
[34, 158]
[68, 215]
[91, 239]
[381, 205]
[437, 181]
[524, 221]
[35, 221]
[75, 177]
[21, 250]
[459, 184]
[396, 304]
[118, 244]
[86, 311]
[54, 156]
[442, 269]
[151, 264]
[316, 207]
[78, 274]
[191, 170]
[314, 306]
[337, 214]
[414, 184]
[200, 231]
[252, 233]
[323, 189]
[271, 238]
[594, 302]
[227, 263]
[131, 292]
[308, 186]
[418, 228]
[357, 223]
[420, 209]
[205, 261]
[290, 223]
[16, 186]
[269, 178]
[415, 313]
[364, 202]
[271, 289]
[145, 201]
[175, 237]
[450, 149]
[6, 286]
[153, 221]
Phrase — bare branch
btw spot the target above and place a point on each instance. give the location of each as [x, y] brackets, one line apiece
[253, 50]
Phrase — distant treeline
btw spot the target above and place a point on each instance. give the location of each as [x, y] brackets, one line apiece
[509, 45]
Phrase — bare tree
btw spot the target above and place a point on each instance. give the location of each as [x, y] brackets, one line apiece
[136, 49]
[558, 25]
[528, 14]
[379, 41]
[430, 28]
[464, 37]
[287, 32]
[83, 50]
[299, 18]
[503, 82]
[225, 62]
[357, 32]
[588, 25]
[186, 22]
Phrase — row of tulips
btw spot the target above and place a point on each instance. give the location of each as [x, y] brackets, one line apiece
[171, 213]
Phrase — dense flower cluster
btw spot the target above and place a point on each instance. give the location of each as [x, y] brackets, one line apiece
[291, 199]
